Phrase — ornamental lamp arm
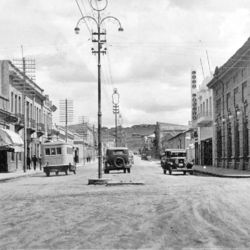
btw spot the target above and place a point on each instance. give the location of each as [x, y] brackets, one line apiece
[112, 17]
[86, 17]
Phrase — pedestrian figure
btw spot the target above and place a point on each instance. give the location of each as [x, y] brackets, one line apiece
[40, 162]
[34, 160]
[75, 159]
[28, 162]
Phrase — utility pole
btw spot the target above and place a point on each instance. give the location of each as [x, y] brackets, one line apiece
[66, 114]
[115, 100]
[24, 115]
[93, 142]
[66, 120]
[28, 67]
[98, 21]
[84, 122]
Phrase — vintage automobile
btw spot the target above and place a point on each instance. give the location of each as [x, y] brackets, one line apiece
[174, 160]
[163, 159]
[117, 158]
[58, 157]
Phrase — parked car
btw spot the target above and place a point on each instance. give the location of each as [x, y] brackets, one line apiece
[117, 158]
[174, 160]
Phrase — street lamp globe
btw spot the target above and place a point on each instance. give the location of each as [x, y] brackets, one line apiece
[77, 30]
[115, 97]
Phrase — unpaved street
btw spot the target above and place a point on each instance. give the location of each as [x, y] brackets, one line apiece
[63, 212]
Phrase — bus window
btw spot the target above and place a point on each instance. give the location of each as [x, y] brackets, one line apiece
[168, 153]
[69, 151]
[182, 155]
[58, 151]
[53, 151]
[47, 151]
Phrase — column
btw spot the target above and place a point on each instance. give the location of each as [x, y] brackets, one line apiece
[226, 160]
[241, 166]
[233, 121]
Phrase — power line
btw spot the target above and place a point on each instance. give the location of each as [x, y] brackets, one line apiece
[83, 16]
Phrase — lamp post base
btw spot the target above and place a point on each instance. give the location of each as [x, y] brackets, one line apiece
[98, 181]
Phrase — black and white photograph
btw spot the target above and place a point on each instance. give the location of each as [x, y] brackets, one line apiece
[124, 124]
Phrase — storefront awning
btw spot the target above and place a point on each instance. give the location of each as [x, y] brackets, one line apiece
[11, 141]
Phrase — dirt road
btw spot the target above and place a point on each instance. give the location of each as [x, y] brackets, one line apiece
[63, 212]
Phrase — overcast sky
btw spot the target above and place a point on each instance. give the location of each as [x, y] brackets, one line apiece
[149, 63]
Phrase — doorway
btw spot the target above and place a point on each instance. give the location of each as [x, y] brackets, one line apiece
[3, 161]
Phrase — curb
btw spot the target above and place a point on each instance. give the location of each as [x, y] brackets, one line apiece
[124, 183]
[5, 179]
[220, 175]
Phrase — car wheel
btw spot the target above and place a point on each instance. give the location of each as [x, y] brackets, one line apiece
[184, 172]
[48, 173]
[119, 162]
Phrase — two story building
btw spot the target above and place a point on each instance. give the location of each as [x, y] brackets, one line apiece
[26, 117]
[231, 97]
[204, 125]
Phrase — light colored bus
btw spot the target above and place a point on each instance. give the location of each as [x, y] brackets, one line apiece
[58, 157]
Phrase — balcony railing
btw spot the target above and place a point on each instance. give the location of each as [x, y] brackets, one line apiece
[204, 118]
[40, 127]
[31, 123]
[20, 117]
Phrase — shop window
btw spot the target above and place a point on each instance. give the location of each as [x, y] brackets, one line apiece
[228, 100]
[219, 143]
[235, 95]
[218, 106]
[13, 156]
[12, 102]
[243, 73]
[244, 91]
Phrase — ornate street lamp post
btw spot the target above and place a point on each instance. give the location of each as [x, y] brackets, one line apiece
[98, 21]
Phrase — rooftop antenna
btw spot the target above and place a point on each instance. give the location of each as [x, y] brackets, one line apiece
[208, 63]
[202, 69]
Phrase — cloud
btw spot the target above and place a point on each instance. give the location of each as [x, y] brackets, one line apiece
[65, 69]
[150, 62]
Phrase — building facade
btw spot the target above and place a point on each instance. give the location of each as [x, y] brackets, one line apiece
[231, 93]
[23, 105]
[204, 125]
[163, 132]
[184, 140]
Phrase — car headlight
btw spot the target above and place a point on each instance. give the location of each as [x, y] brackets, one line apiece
[171, 163]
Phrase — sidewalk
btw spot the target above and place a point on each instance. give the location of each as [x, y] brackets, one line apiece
[221, 172]
[18, 174]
